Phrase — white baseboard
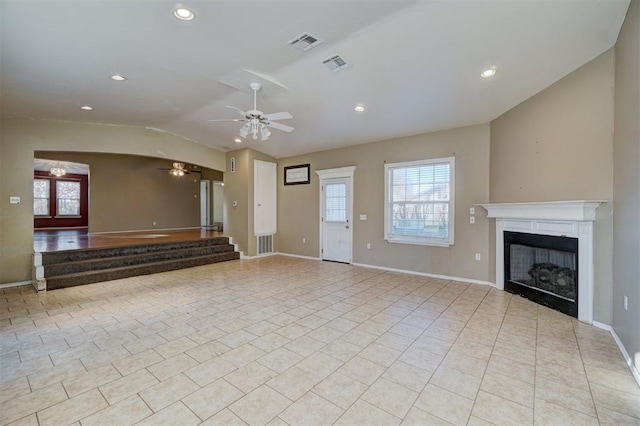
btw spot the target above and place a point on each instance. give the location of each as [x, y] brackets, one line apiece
[425, 274]
[627, 358]
[242, 255]
[602, 326]
[16, 284]
[298, 256]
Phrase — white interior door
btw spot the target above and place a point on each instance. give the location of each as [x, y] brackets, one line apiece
[336, 219]
[265, 194]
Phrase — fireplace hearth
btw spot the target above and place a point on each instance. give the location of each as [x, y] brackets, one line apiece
[542, 268]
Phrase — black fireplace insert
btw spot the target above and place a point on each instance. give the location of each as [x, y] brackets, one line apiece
[542, 268]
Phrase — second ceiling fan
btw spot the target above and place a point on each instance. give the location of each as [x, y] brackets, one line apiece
[256, 122]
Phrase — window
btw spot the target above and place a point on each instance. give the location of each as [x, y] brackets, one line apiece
[68, 198]
[335, 202]
[419, 201]
[41, 197]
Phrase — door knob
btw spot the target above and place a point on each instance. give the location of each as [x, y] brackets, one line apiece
[347, 227]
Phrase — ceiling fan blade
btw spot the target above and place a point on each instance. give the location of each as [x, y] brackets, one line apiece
[279, 126]
[237, 109]
[278, 116]
[229, 119]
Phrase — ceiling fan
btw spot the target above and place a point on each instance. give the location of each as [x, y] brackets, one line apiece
[178, 169]
[256, 122]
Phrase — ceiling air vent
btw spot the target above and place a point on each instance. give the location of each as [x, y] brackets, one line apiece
[305, 42]
[336, 63]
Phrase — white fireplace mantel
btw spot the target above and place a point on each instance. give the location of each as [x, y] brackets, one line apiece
[561, 218]
[580, 210]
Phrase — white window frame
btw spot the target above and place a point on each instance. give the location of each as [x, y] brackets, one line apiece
[408, 239]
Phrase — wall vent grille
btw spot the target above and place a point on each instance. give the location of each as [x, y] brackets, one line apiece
[336, 63]
[265, 244]
[305, 42]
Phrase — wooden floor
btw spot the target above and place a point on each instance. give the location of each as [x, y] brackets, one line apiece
[75, 239]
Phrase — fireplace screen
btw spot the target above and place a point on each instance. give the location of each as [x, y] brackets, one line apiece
[553, 271]
[543, 268]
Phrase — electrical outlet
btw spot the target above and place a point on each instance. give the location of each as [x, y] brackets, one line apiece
[626, 303]
[304, 241]
[368, 246]
[472, 219]
[154, 223]
[478, 256]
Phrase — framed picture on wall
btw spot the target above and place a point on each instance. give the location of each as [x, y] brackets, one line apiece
[297, 175]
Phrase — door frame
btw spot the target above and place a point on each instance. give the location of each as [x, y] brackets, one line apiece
[340, 172]
[205, 203]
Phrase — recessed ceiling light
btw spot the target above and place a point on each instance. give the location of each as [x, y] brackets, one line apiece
[490, 72]
[86, 108]
[184, 14]
[359, 108]
[117, 77]
[237, 140]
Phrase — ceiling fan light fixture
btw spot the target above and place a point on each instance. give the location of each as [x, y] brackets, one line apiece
[237, 140]
[184, 14]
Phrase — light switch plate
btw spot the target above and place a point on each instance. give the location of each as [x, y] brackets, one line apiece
[363, 217]
[14, 200]
[472, 210]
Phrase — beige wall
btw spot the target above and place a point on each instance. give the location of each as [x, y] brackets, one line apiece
[129, 193]
[238, 186]
[626, 185]
[19, 138]
[558, 145]
[298, 205]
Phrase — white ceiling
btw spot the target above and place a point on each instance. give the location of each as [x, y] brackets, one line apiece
[415, 64]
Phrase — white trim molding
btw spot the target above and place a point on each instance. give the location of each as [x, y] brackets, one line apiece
[580, 210]
[572, 219]
[16, 284]
[299, 256]
[425, 274]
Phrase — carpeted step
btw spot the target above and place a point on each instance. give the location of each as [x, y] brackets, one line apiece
[125, 259]
[88, 277]
[106, 252]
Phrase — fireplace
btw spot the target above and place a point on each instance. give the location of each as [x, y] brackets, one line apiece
[542, 268]
[544, 251]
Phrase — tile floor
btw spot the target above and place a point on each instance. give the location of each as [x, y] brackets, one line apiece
[290, 341]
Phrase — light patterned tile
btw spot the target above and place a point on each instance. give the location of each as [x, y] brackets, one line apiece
[446, 405]
[91, 379]
[260, 406]
[73, 409]
[363, 413]
[14, 388]
[390, 397]
[137, 362]
[224, 418]
[501, 411]
[212, 398]
[456, 381]
[250, 376]
[311, 409]
[172, 366]
[209, 371]
[340, 389]
[128, 385]
[547, 413]
[280, 360]
[125, 412]
[294, 382]
[417, 417]
[175, 414]
[509, 388]
[207, 351]
[407, 375]
[41, 399]
[363, 370]
[167, 392]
